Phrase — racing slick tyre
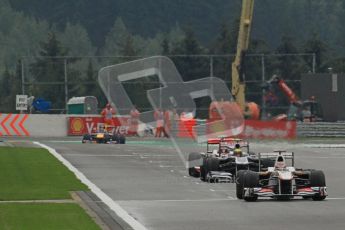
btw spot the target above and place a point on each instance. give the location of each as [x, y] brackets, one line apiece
[267, 162]
[115, 138]
[121, 139]
[86, 137]
[212, 164]
[107, 138]
[239, 183]
[317, 179]
[209, 164]
[251, 180]
[202, 170]
[194, 159]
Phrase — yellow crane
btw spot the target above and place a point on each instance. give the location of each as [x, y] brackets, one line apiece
[250, 110]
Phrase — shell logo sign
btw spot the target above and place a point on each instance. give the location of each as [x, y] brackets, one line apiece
[82, 125]
[77, 125]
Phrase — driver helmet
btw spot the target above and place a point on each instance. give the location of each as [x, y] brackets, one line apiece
[238, 152]
[280, 163]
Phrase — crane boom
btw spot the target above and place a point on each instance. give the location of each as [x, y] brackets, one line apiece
[238, 84]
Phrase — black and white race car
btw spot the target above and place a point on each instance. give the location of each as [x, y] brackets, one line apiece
[281, 181]
[223, 159]
[104, 137]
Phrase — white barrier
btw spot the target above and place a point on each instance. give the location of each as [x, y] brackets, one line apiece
[37, 125]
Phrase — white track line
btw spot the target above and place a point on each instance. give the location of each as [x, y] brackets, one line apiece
[318, 157]
[104, 197]
[229, 198]
[324, 145]
[98, 155]
[187, 200]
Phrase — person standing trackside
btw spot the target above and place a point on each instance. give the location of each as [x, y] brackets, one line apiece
[168, 117]
[134, 121]
[107, 114]
[159, 117]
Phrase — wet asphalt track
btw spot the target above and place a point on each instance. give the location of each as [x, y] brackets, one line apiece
[149, 181]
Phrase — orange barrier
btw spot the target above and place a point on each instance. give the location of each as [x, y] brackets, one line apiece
[185, 128]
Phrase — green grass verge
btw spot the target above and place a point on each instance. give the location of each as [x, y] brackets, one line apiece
[34, 174]
[44, 216]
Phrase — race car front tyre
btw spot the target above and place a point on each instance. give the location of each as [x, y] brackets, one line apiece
[212, 164]
[239, 183]
[209, 164]
[194, 159]
[317, 179]
[251, 179]
[318, 197]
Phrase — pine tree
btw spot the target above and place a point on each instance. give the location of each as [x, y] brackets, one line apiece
[50, 68]
[190, 67]
[165, 46]
[316, 46]
[128, 48]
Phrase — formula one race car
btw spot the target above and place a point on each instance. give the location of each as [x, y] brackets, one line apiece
[223, 159]
[104, 137]
[281, 181]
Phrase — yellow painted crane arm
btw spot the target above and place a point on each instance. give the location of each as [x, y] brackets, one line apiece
[238, 84]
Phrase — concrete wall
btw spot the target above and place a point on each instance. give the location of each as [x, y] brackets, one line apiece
[37, 125]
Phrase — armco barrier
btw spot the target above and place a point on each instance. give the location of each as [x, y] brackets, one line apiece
[321, 129]
[43, 125]
[37, 125]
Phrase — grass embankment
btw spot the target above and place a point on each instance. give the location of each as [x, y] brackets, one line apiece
[34, 174]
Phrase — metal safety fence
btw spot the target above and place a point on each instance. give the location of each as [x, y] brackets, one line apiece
[57, 79]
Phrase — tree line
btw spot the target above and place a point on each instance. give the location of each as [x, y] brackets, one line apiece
[43, 44]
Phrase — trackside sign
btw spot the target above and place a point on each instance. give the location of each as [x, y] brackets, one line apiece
[21, 102]
[82, 125]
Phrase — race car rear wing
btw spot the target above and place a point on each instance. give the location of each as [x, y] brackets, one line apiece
[275, 154]
[227, 141]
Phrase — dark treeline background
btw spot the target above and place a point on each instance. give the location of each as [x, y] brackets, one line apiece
[148, 27]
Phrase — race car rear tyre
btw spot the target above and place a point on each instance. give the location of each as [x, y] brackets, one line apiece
[194, 159]
[115, 138]
[267, 162]
[317, 178]
[239, 183]
[121, 139]
[86, 137]
[251, 179]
